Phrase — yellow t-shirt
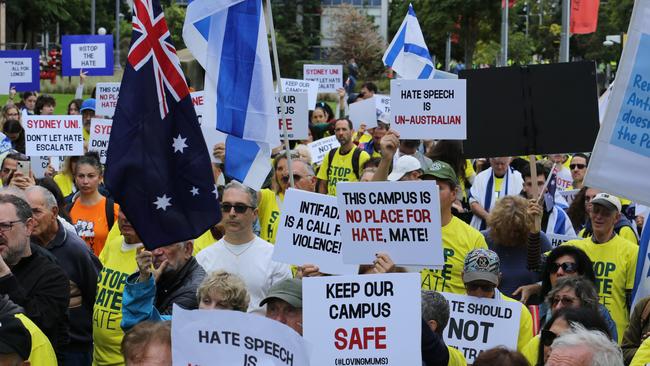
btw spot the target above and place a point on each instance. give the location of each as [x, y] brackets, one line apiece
[458, 239]
[205, 240]
[642, 355]
[525, 324]
[614, 267]
[341, 170]
[498, 182]
[626, 232]
[42, 353]
[366, 137]
[269, 214]
[456, 357]
[531, 350]
[65, 183]
[107, 311]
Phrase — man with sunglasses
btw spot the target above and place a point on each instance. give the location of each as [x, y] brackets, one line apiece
[578, 168]
[240, 251]
[481, 275]
[614, 259]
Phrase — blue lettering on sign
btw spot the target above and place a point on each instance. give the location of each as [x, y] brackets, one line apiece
[632, 128]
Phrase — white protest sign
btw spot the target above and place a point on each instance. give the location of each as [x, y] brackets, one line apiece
[296, 112]
[21, 69]
[100, 134]
[311, 233]
[302, 86]
[107, 94]
[429, 109]
[330, 77]
[320, 148]
[478, 324]
[53, 136]
[557, 239]
[401, 219]
[363, 319]
[39, 165]
[383, 103]
[5, 77]
[210, 135]
[225, 337]
[88, 55]
[5, 143]
[364, 112]
[569, 195]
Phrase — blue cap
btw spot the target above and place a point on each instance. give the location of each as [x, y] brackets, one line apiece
[88, 104]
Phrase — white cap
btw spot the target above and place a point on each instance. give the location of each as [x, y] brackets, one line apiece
[405, 164]
[607, 200]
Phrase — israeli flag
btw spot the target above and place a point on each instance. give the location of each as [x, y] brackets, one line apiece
[642, 276]
[229, 39]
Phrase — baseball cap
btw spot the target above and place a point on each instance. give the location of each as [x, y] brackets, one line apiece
[88, 104]
[384, 118]
[289, 290]
[441, 170]
[14, 337]
[481, 264]
[404, 165]
[608, 201]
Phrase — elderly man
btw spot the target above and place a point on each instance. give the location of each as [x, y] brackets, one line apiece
[582, 347]
[284, 303]
[242, 252]
[79, 264]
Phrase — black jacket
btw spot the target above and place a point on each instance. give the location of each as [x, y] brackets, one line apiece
[434, 350]
[179, 288]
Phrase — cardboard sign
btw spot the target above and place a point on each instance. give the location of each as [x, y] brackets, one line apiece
[429, 109]
[557, 239]
[90, 53]
[311, 233]
[401, 219]
[225, 337]
[25, 69]
[320, 148]
[330, 77]
[5, 78]
[53, 136]
[478, 324]
[383, 103]
[363, 320]
[100, 134]
[211, 135]
[296, 114]
[302, 86]
[364, 112]
[107, 94]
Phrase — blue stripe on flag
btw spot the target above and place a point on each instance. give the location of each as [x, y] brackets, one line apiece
[203, 27]
[417, 50]
[426, 72]
[411, 11]
[237, 65]
[242, 153]
[397, 48]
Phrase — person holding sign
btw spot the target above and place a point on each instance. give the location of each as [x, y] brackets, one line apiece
[45, 105]
[87, 113]
[481, 276]
[373, 147]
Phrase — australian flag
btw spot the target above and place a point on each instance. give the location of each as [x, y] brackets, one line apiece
[158, 165]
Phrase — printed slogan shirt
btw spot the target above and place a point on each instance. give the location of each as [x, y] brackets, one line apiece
[269, 214]
[341, 169]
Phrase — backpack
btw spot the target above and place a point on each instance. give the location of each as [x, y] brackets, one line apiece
[108, 208]
[356, 153]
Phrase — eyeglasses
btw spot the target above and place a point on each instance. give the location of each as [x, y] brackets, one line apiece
[566, 301]
[567, 267]
[475, 286]
[7, 226]
[239, 208]
[296, 178]
[577, 166]
[547, 337]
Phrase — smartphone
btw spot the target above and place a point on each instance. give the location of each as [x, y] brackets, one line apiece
[23, 166]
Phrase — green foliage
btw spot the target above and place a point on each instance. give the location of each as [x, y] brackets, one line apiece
[175, 16]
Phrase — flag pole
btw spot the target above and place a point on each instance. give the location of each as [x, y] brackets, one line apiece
[280, 92]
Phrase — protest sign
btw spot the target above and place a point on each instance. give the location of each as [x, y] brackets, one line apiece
[383, 103]
[25, 69]
[621, 158]
[329, 77]
[320, 148]
[5, 77]
[211, 135]
[39, 165]
[53, 135]
[5, 143]
[302, 86]
[311, 232]
[100, 133]
[225, 337]
[429, 109]
[91, 53]
[364, 113]
[401, 219]
[557, 239]
[107, 94]
[569, 195]
[478, 324]
[296, 114]
[363, 319]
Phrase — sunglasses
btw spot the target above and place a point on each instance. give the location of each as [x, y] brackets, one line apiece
[567, 267]
[239, 208]
[484, 287]
[547, 337]
[296, 178]
[578, 166]
[566, 301]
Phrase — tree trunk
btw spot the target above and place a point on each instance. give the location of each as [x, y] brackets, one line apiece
[470, 37]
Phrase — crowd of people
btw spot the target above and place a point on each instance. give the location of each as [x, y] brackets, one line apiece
[77, 286]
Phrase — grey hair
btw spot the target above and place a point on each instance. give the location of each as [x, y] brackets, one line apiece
[435, 307]
[48, 197]
[583, 288]
[13, 191]
[23, 210]
[252, 195]
[308, 167]
[604, 351]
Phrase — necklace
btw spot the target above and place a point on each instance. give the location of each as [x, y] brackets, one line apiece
[234, 252]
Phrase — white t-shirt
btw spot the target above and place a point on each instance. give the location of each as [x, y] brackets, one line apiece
[251, 261]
